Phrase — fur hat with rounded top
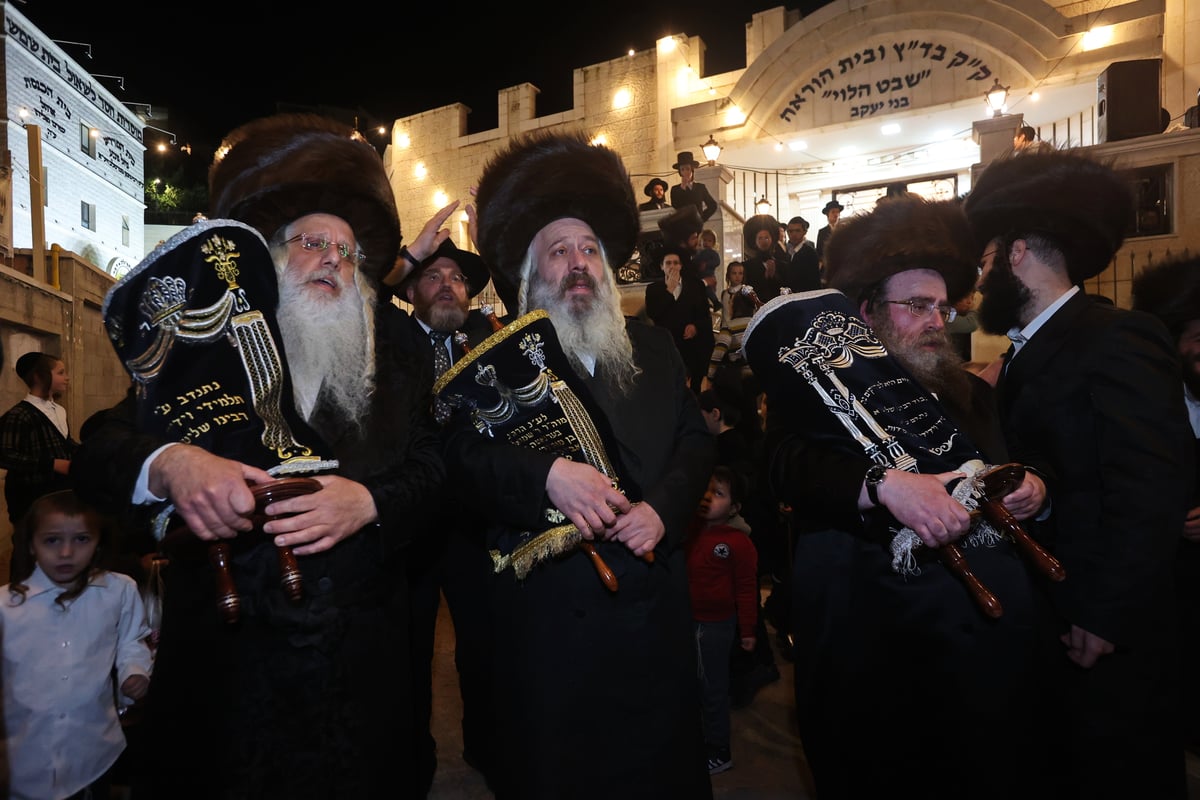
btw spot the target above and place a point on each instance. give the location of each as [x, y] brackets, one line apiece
[1074, 199]
[274, 170]
[680, 225]
[545, 176]
[1170, 290]
[756, 223]
[900, 234]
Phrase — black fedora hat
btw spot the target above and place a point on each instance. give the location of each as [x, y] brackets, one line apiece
[685, 158]
[648, 189]
[471, 264]
[831, 205]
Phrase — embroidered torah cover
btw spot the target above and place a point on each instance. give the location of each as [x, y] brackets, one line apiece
[517, 385]
[826, 370]
[194, 325]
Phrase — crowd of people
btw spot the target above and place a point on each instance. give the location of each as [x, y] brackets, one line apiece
[986, 585]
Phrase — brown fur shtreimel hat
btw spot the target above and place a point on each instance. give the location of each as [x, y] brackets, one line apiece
[900, 234]
[544, 176]
[1074, 199]
[276, 169]
[756, 223]
[678, 226]
[1170, 290]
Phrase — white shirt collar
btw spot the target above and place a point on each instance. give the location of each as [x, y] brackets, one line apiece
[52, 410]
[1193, 408]
[1023, 335]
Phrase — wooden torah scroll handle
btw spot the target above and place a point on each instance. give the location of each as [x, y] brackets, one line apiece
[954, 560]
[605, 572]
[229, 605]
[264, 495]
[997, 483]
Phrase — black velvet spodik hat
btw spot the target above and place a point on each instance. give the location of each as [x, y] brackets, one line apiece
[545, 176]
[901, 234]
[1074, 199]
[276, 169]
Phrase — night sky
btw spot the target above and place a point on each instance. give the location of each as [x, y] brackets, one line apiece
[235, 61]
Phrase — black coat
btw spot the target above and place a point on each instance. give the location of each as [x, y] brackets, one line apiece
[697, 196]
[309, 700]
[868, 637]
[691, 308]
[1093, 400]
[609, 667]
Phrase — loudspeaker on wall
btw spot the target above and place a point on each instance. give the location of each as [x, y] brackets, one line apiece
[1129, 100]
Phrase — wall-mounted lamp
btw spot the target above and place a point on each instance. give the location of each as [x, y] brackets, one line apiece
[149, 110]
[712, 150]
[160, 130]
[996, 97]
[119, 78]
[762, 205]
[88, 47]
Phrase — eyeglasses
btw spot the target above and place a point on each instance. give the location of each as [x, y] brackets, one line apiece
[319, 242]
[920, 307]
[983, 262]
[434, 277]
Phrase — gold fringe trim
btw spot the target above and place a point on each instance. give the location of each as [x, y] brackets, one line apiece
[547, 544]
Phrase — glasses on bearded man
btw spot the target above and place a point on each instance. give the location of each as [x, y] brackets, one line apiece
[920, 307]
[320, 242]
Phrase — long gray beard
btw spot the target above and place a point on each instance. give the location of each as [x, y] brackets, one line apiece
[330, 349]
[597, 330]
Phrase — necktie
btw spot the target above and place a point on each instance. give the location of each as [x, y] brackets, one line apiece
[441, 358]
[441, 363]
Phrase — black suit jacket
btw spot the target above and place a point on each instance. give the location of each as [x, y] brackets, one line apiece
[822, 238]
[570, 640]
[337, 660]
[697, 196]
[1093, 402]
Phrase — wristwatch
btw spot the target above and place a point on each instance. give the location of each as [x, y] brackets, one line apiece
[875, 476]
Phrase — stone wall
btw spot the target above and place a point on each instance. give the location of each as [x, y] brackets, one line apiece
[61, 317]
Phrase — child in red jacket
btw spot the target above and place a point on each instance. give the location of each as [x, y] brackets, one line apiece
[722, 566]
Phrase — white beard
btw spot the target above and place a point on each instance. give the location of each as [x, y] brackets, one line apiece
[330, 347]
[594, 328]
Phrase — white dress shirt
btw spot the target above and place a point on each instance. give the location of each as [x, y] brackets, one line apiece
[53, 411]
[60, 717]
[1193, 409]
[1020, 337]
